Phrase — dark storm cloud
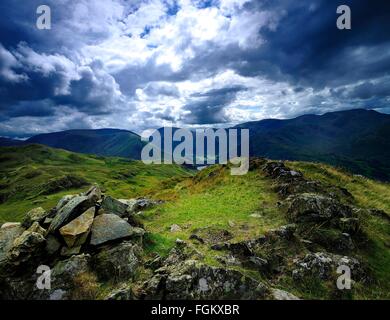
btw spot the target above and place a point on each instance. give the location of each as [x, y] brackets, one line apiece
[307, 48]
[18, 23]
[209, 107]
[165, 89]
[44, 73]
[365, 90]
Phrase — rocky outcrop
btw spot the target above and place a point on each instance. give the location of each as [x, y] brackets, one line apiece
[310, 207]
[211, 235]
[278, 294]
[323, 265]
[191, 279]
[34, 215]
[290, 182]
[124, 292]
[183, 275]
[26, 248]
[117, 263]
[8, 234]
[108, 227]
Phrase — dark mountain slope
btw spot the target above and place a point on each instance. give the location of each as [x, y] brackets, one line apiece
[356, 139]
[106, 142]
[7, 142]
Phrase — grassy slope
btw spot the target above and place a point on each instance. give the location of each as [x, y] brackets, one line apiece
[28, 174]
[214, 198]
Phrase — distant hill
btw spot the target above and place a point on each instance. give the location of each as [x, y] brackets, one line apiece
[105, 142]
[358, 140]
[6, 142]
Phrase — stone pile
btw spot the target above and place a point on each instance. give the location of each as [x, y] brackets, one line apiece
[82, 232]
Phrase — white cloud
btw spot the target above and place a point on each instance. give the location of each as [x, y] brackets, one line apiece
[8, 63]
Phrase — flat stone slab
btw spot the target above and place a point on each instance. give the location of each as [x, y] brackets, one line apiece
[107, 227]
[111, 205]
[7, 236]
[75, 233]
[68, 211]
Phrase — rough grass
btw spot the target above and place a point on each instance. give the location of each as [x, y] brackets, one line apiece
[217, 200]
[35, 175]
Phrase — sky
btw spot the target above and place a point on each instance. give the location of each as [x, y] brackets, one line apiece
[143, 64]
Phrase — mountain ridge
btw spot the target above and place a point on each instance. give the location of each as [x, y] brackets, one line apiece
[356, 139]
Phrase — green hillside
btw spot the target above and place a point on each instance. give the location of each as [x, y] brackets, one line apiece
[220, 216]
[102, 142]
[35, 175]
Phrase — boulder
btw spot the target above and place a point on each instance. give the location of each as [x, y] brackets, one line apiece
[332, 239]
[64, 200]
[52, 245]
[122, 293]
[309, 207]
[57, 294]
[10, 225]
[64, 272]
[228, 260]
[323, 265]
[285, 232]
[17, 288]
[76, 232]
[277, 170]
[278, 294]
[155, 262]
[143, 203]
[93, 193]
[108, 227]
[7, 238]
[129, 202]
[69, 211]
[211, 235]
[260, 263]
[117, 263]
[114, 206]
[175, 228]
[26, 248]
[34, 215]
[35, 227]
[68, 252]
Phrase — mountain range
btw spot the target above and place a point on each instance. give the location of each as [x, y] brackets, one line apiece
[358, 140]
